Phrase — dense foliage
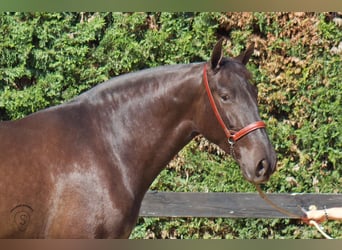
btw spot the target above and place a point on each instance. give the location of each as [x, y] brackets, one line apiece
[47, 58]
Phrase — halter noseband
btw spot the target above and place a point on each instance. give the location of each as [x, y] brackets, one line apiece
[233, 136]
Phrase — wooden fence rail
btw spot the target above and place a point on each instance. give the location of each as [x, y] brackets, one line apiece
[231, 205]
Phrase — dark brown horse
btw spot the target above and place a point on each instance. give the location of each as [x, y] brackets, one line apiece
[81, 169]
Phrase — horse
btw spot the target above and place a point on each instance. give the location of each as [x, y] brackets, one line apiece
[80, 169]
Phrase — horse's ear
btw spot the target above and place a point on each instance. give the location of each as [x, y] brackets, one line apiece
[217, 55]
[244, 56]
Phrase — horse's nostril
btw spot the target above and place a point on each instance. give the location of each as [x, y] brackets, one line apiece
[262, 168]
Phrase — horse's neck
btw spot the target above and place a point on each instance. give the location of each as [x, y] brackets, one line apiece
[148, 122]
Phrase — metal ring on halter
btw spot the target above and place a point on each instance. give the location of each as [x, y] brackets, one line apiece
[231, 141]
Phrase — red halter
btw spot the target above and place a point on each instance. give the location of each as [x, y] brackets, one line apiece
[232, 135]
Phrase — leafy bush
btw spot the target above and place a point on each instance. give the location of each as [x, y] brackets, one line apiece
[48, 58]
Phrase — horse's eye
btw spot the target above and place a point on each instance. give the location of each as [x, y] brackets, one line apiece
[225, 98]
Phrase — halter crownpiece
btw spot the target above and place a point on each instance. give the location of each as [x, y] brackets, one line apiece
[233, 136]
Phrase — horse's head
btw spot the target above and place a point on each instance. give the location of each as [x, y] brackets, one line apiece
[236, 126]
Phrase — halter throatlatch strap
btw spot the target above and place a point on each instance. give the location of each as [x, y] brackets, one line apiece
[232, 135]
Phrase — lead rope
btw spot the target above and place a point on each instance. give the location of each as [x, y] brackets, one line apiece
[292, 215]
[319, 228]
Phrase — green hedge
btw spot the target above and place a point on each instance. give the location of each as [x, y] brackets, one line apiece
[48, 58]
